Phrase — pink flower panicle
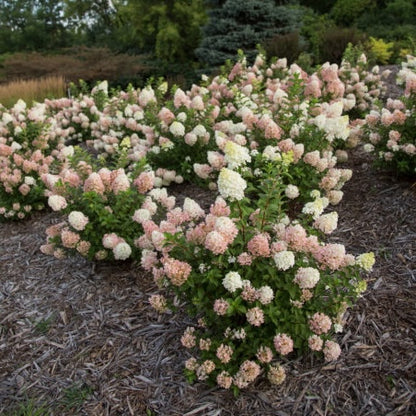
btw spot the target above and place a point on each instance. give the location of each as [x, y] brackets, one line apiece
[283, 344]
[259, 245]
[320, 323]
[177, 271]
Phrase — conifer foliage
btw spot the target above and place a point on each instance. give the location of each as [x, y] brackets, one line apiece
[243, 25]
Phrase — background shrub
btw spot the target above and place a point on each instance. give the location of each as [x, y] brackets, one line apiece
[89, 64]
[380, 51]
[345, 12]
[335, 40]
[283, 46]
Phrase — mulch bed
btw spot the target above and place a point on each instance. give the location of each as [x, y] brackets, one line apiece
[80, 338]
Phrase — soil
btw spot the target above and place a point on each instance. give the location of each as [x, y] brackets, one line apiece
[78, 338]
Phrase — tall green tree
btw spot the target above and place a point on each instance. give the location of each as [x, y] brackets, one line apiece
[168, 29]
[32, 25]
[395, 21]
[243, 25]
[346, 12]
[95, 22]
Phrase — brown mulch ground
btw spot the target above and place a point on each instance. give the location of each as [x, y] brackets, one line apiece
[81, 339]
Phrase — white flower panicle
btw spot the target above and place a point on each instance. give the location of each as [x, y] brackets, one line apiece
[236, 155]
[232, 281]
[284, 260]
[78, 220]
[231, 185]
[122, 251]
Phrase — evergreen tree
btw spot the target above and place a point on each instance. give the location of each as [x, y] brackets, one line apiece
[243, 25]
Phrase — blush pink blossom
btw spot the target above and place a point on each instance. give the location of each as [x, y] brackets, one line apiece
[120, 182]
[78, 220]
[259, 245]
[227, 228]
[177, 271]
[215, 242]
[224, 380]
[69, 238]
[276, 374]
[83, 247]
[24, 189]
[264, 354]
[244, 259]
[283, 344]
[331, 350]
[149, 259]
[331, 255]
[295, 236]
[320, 323]
[94, 183]
[159, 303]
[255, 316]
[221, 306]
[166, 115]
[224, 353]
[188, 339]
[220, 208]
[247, 373]
[111, 240]
[144, 182]
[315, 343]
[57, 202]
[202, 170]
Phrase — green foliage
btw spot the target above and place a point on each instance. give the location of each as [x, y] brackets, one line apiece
[394, 20]
[334, 41]
[32, 25]
[345, 12]
[319, 6]
[43, 326]
[283, 46]
[244, 25]
[218, 278]
[31, 140]
[353, 53]
[326, 41]
[94, 21]
[305, 61]
[75, 396]
[380, 50]
[170, 30]
[30, 408]
[104, 211]
[401, 11]
[313, 29]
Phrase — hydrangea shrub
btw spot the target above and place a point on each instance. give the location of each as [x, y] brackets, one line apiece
[255, 271]
[29, 147]
[104, 211]
[262, 285]
[389, 131]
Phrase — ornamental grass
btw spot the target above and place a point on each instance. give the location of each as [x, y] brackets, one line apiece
[32, 90]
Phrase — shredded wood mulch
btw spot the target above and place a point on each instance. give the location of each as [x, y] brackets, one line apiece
[81, 338]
